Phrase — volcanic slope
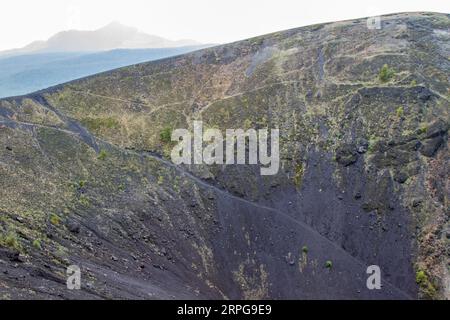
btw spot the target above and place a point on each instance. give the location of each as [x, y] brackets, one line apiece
[363, 116]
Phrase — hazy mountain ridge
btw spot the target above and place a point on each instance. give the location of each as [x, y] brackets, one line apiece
[363, 118]
[74, 54]
[110, 37]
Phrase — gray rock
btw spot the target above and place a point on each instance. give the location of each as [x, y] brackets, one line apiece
[346, 155]
[73, 226]
[400, 177]
[430, 146]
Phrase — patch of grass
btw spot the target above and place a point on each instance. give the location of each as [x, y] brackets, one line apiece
[386, 73]
[84, 201]
[166, 135]
[328, 264]
[413, 83]
[55, 219]
[422, 130]
[247, 122]
[102, 155]
[11, 241]
[28, 110]
[399, 111]
[100, 123]
[299, 170]
[61, 251]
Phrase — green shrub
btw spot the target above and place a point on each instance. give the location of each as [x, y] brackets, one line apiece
[386, 73]
[421, 277]
[102, 155]
[166, 135]
[399, 112]
[37, 244]
[328, 264]
[81, 183]
[305, 249]
[427, 288]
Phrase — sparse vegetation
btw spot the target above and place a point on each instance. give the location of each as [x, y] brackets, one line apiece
[298, 174]
[126, 204]
[373, 141]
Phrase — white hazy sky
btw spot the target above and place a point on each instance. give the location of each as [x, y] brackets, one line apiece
[208, 21]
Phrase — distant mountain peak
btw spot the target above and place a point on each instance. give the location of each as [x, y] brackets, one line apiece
[114, 35]
[116, 25]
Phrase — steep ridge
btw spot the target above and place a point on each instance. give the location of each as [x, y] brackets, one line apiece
[364, 176]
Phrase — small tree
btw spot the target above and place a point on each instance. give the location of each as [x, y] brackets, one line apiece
[386, 73]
